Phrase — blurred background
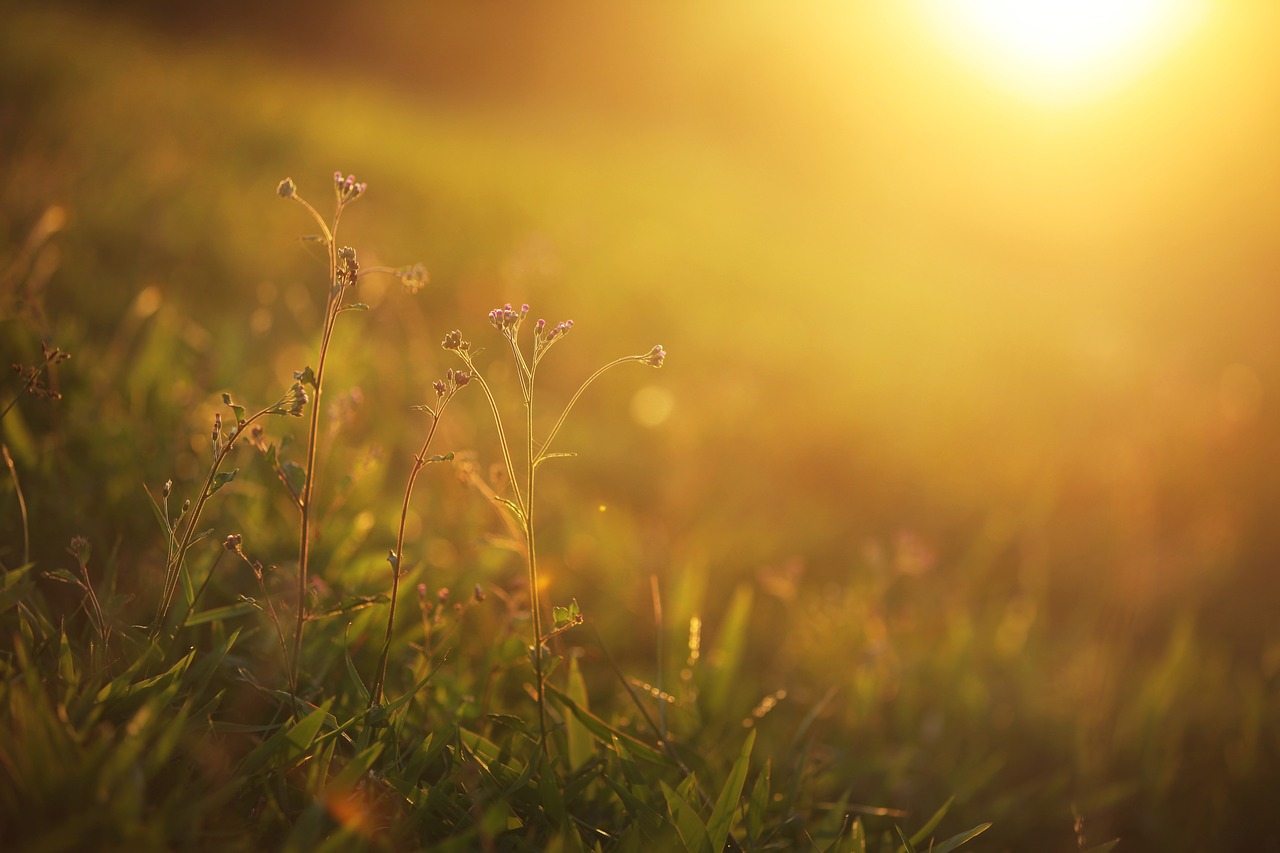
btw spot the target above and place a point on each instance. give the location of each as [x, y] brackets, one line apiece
[972, 376]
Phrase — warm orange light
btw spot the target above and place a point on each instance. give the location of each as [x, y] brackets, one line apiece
[1059, 49]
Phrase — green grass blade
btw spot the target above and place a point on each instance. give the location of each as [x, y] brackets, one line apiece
[956, 840]
[351, 668]
[218, 614]
[925, 831]
[906, 842]
[693, 833]
[727, 803]
[605, 732]
[288, 743]
[577, 733]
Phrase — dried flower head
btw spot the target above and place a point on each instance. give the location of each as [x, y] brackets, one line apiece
[286, 189]
[655, 356]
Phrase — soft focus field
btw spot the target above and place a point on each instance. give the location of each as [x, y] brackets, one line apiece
[965, 451]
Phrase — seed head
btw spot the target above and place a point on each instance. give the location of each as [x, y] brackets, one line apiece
[286, 189]
[655, 357]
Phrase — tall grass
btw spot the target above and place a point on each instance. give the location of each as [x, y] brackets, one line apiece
[176, 734]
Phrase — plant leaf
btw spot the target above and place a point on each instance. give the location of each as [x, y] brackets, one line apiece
[727, 803]
[222, 478]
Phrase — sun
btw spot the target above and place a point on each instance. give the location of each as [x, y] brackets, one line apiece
[1063, 48]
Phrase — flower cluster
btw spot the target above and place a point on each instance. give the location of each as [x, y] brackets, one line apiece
[292, 402]
[453, 342]
[348, 267]
[348, 189]
[453, 380]
[545, 334]
[507, 320]
[33, 376]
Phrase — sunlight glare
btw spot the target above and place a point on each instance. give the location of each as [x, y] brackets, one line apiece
[1063, 48]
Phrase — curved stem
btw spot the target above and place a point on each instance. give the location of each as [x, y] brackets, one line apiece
[546, 445]
[174, 566]
[419, 462]
[502, 440]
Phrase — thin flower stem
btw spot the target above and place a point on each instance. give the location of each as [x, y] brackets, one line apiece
[334, 303]
[502, 440]
[555, 430]
[419, 462]
[328, 235]
[22, 505]
[535, 595]
[308, 484]
[174, 567]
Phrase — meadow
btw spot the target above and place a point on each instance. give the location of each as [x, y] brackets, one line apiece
[945, 522]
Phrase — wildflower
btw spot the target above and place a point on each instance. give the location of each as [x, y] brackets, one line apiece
[232, 542]
[348, 188]
[286, 188]
[293, 401]
[79, 548]
[453, 341]
[413, 278]
[655, 357]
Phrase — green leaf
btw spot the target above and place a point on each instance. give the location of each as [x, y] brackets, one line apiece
[222, 478]
[355, 306]
[906, 842]
[295, 476]
[351, 668]
[729, 648]
[759, 803]
[727, 803]
[64, 576]
[956, 840]
[858, 837]
[217, 614]
[693, 834]
[923, 833]
[443, 457]
[288, 743]
[578, 735]
[605, 732]
[354, 771]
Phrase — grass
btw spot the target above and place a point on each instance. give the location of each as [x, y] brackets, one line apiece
[766, 556]
[323, 761]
